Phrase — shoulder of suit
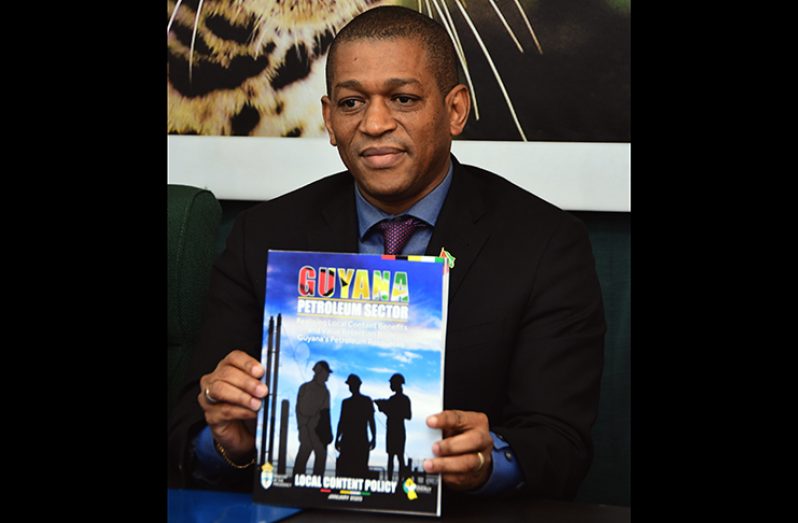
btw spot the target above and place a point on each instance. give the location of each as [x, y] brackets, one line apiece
[505, 196]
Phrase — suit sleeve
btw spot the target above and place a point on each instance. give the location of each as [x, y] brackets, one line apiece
[232, 319]
[555, 374]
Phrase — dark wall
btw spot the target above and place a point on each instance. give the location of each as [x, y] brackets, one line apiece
[608, 480]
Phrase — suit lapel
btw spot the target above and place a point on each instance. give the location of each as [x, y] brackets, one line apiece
[459, 228]
[335, 229]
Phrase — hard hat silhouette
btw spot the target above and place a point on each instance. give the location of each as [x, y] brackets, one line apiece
[323, 364]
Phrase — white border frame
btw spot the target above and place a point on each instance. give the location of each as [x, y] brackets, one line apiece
[571, 175]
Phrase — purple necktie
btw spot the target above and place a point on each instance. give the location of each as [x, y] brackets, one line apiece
[396, 233]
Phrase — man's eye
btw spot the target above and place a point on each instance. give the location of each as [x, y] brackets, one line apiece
[404, 99]
[349, 103]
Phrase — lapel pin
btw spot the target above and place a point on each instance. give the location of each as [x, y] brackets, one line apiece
[449, 258]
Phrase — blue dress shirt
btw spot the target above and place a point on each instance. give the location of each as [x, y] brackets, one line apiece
[506, 474]
[426, 210]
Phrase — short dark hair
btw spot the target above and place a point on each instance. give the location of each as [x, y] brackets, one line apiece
[391, 22]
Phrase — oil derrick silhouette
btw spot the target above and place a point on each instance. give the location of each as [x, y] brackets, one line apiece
[272, 368]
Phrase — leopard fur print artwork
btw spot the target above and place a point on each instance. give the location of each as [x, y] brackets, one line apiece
[257, 66]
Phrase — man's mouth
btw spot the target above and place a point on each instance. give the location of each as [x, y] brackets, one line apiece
[382, 157]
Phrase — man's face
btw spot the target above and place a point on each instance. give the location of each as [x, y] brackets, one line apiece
[321, 374]
[390, 121]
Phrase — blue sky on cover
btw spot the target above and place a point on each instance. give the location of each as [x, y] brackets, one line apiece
[414, 350]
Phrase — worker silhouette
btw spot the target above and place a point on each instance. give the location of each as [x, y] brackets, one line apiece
[351, 437]
[397, 409]
[312, 398]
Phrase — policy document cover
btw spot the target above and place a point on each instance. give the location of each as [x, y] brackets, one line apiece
[353, 347]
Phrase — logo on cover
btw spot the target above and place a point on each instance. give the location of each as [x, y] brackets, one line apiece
[409, 486]
[266, 475]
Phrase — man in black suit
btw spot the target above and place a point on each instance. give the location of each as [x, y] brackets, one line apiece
[352, 435]
[396, 409]
[525, 321]
[311, 399]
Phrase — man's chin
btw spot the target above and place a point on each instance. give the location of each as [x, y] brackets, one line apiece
[388, 194]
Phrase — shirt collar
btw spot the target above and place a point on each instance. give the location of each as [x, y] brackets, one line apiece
[426, 209]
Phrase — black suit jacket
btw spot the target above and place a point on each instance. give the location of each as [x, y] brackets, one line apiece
[525, 331]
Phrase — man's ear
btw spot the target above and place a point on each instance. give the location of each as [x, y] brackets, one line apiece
[326, 110]
[458, 104]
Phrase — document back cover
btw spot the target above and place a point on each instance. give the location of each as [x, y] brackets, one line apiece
[353, 347]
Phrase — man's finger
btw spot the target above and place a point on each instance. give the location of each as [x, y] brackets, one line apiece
[239, 379]
[457, 420]
[464, 443]
[243, 361]
[461, 464]
[224, 392]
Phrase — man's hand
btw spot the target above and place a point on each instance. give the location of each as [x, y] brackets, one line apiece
[231, 396]
[466, 435]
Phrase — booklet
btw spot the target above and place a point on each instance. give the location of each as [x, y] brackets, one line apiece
[353, 347]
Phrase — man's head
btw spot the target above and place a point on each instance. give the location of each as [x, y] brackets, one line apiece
[353, 380]
[321, 371]
[391, 23]
[394, 105]
[396, 381]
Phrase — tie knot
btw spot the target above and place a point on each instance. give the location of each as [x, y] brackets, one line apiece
[396, 233]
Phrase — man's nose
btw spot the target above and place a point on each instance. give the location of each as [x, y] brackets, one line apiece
[377, 119]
